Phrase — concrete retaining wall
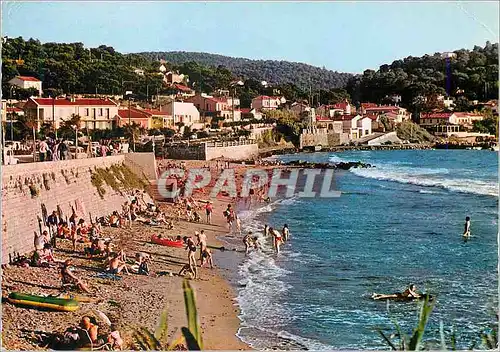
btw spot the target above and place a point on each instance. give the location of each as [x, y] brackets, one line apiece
[142, 164]
[69, 184]
[213, 150]
[236, 152]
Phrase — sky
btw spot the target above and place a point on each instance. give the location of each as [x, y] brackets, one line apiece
[342, 36]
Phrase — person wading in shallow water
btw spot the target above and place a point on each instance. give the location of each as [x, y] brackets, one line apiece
[467, 227]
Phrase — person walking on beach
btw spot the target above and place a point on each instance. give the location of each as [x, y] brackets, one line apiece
[467, 227]
[209, 209]
[238, 223]
[202, 243]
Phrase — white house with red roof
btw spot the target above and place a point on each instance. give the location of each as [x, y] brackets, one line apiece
[126, 116]
[185, 112]
[264, 102]
[394, 113]
[95, 113]
[356, 126]
[26, 82]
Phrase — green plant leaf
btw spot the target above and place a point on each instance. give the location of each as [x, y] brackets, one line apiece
[161, 331]
[441, 334]
[386, 339]
[191, 312]
[191, 342]
[151, 340]
[418, 333]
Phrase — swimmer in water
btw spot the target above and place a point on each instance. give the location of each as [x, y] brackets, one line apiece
[467, 227]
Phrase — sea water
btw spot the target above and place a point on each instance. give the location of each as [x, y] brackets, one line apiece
[398, 223]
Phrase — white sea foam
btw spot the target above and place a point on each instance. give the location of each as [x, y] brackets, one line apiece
[428, 178]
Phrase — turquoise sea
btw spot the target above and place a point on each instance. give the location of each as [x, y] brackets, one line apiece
[398, 223]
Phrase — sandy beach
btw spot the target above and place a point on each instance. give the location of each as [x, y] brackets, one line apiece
[135, 300]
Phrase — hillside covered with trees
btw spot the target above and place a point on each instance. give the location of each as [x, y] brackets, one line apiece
[73, 68]
[272, 71]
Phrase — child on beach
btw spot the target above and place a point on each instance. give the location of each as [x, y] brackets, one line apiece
[247, 242]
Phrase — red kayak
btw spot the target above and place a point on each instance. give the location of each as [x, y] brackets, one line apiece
[167, 242]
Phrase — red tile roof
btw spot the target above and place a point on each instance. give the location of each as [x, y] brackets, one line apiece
[382, 108]
[14, 110]
[86, 102]
[368, 105]
[156, 112]
[182, 88]
[28, 78]
[436, 115]
[371, 116]
[343, 105]
[134, 114]
[344, 117]
[323, 118]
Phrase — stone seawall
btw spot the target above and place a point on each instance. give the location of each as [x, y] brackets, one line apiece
[27, 188]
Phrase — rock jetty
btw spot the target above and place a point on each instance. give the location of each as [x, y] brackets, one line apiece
[340, 166]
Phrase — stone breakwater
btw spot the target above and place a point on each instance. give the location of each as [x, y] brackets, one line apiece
[337, 166]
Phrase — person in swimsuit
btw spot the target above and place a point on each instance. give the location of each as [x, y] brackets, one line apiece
[266, 230]
[207, 258]
[209, 210]
[202, 242]
[247, 242]
[277, 239]
[409, 293]
[116, 265]
[192, 259]
[285, 232]
[467, 227]
[68, 278]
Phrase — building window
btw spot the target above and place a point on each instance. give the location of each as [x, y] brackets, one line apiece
[86, 112]
[107, 113]
[99, 112]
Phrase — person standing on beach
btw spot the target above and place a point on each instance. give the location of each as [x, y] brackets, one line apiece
[467, 227]
[209, 209]
[202, 243]
[238, 223]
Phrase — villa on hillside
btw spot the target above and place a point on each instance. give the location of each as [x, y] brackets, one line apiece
[356, 126]
[182, 112]
[26, 82]
[394, 113]
[95, 113]
[264, 102]
[216, 107]
[454, 121]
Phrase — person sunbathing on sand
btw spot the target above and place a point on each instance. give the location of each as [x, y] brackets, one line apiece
[68, 278]
[116, 265]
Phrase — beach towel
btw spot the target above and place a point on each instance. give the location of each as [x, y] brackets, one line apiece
[108, 276]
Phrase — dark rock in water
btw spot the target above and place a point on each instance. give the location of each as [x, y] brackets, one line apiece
[341, 165]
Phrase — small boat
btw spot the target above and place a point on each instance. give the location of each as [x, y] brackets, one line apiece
[35, 301]
[494, 148]
[167, 242]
